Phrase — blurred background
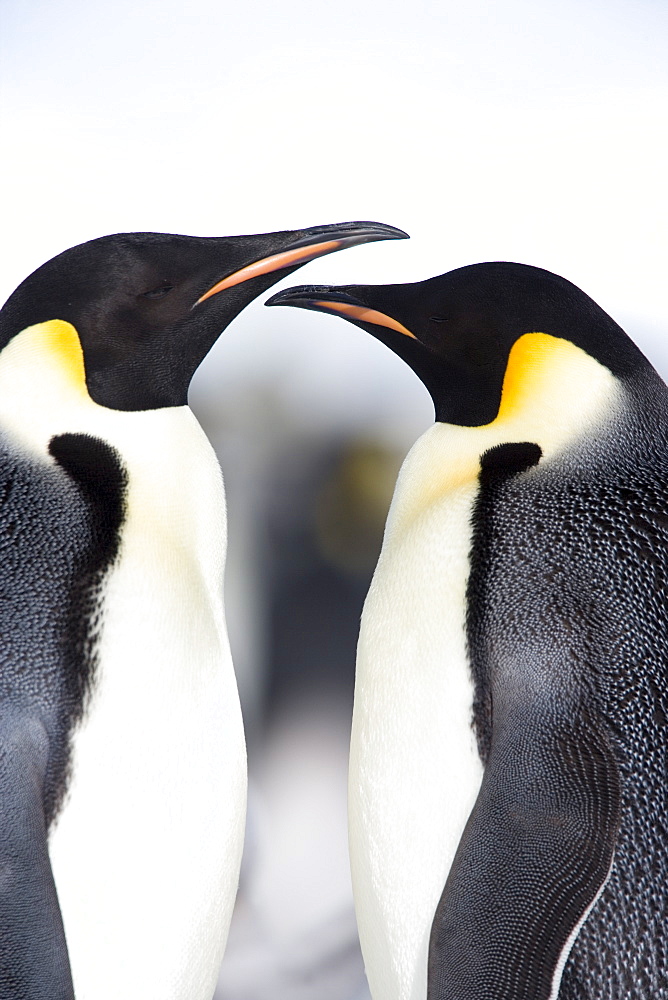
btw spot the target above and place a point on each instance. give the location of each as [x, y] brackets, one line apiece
[520, 130]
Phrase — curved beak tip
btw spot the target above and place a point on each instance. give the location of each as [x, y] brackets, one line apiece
[394, 233]
[292, 296]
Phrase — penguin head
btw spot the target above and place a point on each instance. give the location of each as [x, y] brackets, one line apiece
[475, 334]
[141, 310]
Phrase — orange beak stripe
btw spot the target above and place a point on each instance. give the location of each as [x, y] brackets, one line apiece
[288, 258]
[363, 315]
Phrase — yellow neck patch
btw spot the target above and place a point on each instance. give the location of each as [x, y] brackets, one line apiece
[553, 394]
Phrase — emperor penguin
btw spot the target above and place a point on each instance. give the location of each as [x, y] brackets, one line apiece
[122, 756]
[509, 758]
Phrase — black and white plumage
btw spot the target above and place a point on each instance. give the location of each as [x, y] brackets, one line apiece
[509, 781]
[122, 758]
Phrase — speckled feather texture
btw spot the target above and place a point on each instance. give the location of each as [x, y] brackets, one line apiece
[568, 636]
[45, 679]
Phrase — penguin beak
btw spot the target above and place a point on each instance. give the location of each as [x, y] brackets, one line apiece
[316, 243]
[324, 298]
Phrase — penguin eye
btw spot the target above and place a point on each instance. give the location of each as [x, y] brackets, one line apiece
[157, 293]
[438, 319]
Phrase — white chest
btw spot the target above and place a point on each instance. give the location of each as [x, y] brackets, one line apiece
[147, 848]
[415, 771]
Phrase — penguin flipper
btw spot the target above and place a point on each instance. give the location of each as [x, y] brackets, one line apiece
[535, 854]
[34, 962]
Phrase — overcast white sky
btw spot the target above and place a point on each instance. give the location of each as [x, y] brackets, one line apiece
[531, 131]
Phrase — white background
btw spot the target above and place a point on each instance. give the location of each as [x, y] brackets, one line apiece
[519, 130]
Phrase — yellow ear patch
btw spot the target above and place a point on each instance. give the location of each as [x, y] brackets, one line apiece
[57, 342]
[535, 362]
[553, 394]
